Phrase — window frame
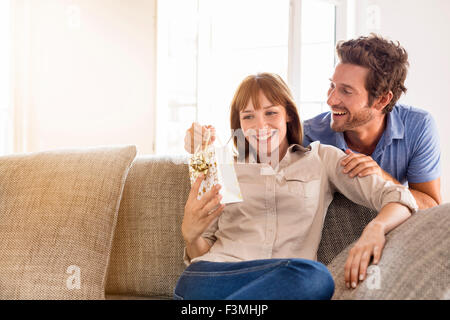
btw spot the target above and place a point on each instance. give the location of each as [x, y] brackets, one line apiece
[344, 28]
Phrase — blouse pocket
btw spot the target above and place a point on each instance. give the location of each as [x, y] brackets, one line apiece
[308, 187]
[306, 192]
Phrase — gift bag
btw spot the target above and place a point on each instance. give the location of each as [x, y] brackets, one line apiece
[217, 164]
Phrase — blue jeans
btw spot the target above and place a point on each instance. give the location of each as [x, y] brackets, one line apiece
[274, 279]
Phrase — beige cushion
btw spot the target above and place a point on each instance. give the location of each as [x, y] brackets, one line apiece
[58, 211]
[414, 265]
[147, 255]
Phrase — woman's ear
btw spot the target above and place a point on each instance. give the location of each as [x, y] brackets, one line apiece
[288, 118]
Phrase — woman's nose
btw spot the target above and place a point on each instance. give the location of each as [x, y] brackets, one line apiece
[260, 122]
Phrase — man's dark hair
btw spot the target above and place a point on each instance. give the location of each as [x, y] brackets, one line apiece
[387, 63]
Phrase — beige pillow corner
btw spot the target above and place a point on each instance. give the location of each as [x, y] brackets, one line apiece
[58, 212]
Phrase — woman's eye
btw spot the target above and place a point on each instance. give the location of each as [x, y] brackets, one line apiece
[270, 113]
[247, 117]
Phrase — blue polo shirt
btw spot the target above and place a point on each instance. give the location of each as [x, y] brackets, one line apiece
[408, 150]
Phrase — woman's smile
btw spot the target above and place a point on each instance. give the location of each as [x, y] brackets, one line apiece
[265, 135]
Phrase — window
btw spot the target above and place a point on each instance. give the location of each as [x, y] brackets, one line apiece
[317, 56]
[5, 76]
[207, 47]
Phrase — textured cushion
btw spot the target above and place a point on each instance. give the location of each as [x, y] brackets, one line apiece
[343, 224]
[414, 264]
[58, 211]
[147, 255]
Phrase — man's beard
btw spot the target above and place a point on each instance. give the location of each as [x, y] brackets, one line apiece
[353, 121]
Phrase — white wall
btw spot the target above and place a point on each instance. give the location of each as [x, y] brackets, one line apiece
[422, 27]
[84, 73]
[5, 75]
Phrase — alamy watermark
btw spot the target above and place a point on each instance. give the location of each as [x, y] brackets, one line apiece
[261, 145]
[373, 279]
[73, 281]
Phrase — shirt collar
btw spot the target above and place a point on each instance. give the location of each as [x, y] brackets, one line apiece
[394, 127]
[298, 147]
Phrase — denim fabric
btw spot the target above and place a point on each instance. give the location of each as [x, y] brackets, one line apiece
[274, 279]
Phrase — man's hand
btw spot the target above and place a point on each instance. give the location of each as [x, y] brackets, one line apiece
[371, 243]
[358, 164]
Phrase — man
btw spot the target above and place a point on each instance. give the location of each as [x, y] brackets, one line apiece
[397, 142]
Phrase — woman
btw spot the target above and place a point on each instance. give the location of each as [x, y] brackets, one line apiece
[265, 247]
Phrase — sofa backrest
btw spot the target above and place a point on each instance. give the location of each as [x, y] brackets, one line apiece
[147, 254]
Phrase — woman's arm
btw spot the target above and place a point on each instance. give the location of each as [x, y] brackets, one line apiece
[372, 240]
[197, 248]
[395, 203]
[370, 191]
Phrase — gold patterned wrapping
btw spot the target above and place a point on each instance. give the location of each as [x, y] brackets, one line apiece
[203, 162]
[206, 162]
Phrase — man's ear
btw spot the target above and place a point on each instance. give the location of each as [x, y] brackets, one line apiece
[382, 101]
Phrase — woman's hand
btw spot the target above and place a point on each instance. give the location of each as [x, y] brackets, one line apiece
[371, 243]
[198, 214]
[197, 133]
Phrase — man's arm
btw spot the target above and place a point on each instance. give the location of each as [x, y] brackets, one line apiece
[427, 194]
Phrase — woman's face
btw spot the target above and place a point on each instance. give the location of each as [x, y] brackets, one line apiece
[265, 129]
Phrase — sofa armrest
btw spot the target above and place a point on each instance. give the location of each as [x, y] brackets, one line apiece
[414, 263]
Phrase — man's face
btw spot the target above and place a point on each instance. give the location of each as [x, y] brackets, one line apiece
[348, 98]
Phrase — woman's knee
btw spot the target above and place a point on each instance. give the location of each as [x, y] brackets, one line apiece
[315, 281]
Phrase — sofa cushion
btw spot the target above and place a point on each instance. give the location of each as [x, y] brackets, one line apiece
[58, 211]
[147, 255]
[414, 264]
[344, 223]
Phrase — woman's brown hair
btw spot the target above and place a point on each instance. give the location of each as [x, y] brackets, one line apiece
[277, 92]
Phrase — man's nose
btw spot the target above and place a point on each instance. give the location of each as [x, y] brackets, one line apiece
[332, 98]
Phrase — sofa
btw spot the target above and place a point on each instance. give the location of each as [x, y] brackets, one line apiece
[134, 238]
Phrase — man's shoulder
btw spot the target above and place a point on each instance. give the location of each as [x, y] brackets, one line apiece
[411, 115]
[323, 118]
[416, 122]
[319, 129]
